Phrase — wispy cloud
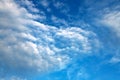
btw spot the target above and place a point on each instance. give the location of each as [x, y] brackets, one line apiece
[61, 6]
[12, 78]
[115, 59]
[112, 20]
[58, 21]
[45, 3]
[77, 72]
[29, 5]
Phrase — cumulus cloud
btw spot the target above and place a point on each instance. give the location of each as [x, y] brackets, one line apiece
[30, 46]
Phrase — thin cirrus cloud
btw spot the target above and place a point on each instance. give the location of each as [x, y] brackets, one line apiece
[30, 46]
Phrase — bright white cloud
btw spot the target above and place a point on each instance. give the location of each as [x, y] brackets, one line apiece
[26, 44]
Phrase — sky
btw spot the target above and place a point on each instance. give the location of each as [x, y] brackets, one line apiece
[59, 39]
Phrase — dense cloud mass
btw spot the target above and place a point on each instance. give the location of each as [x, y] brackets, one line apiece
[28, 45]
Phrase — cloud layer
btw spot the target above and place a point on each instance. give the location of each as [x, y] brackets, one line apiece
[27, 45]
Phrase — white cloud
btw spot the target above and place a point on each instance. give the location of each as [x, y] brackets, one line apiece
[28, 45]
[45, 3]
[59, 21]
[61, 7]
[76, 72]
[58, 5]
[77, 40]
[112, 20]
[115, 60]
[28, 36]
[29, 5]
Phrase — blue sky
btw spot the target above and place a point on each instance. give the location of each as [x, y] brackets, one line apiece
[59, 39]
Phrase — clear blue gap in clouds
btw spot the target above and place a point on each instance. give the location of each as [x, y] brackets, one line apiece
[59, 40]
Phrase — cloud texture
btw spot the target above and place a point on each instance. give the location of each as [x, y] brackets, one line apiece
[27, 45]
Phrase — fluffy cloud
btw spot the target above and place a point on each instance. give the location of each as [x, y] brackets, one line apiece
[30, 46]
